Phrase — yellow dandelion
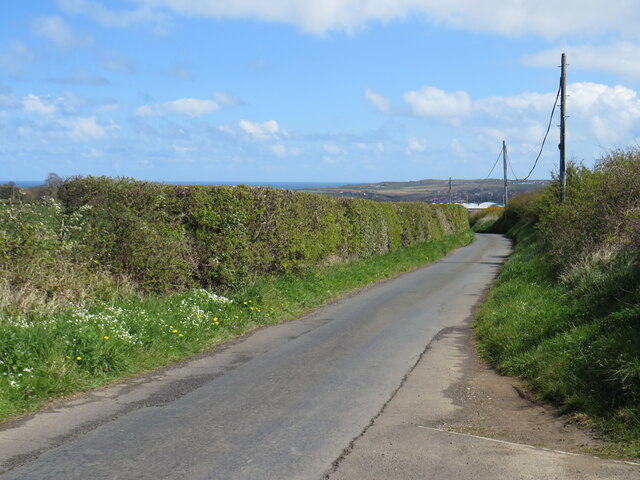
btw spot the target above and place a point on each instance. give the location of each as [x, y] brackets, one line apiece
[106, 337]
[244, 303]
[68, 356]
[215, 319]
[78, 358]
[237, 317]
[181, 335]
[251, 308]
[250, 301]
[171, 327]
[270, 308]
[174, 331]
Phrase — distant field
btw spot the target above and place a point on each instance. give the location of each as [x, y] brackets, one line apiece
[475, 191]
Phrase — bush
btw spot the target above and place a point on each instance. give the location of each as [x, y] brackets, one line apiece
[167, 236]
[569, 321]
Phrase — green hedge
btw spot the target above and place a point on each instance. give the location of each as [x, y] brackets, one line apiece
[172, 236]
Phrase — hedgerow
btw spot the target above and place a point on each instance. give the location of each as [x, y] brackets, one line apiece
[565, 313]
[168, 236]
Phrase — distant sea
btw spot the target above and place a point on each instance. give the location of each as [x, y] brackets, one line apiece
[286, 185]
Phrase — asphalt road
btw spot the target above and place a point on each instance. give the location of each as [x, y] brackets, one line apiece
[282, 403]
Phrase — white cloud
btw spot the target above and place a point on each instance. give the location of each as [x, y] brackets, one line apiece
[117, 19]
[620, 58]
[416, 146]
[226, 129]
[548, 18]
[262, 131]
[333, 149]
[56, 30]
[433, 102]
[597, 113]
[505, 107]
[35, 104]
[9, 99]
[17, 58]
[282, 151]
[226, 99]
[279, 149]
[613, 113]
[191, 107]
[87, 128]
[181, 149]
[94, 153]
[378, 101]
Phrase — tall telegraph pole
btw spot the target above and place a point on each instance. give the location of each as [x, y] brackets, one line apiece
[504, 162]
[563, 91]
[449, 189]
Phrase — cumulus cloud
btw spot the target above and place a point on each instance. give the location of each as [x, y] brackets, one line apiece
[380, 102]
[282, 151]
[35, 104]
[191, 107]
[262, 131]
[433, 102]
[506, 107]
[619, 58]
[55, 30]
[87, 128]
[144, 14]
[613, 113]
[547, 18]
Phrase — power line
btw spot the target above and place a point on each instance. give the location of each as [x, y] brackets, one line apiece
[515, 177]
[555, 104]
[492, 168]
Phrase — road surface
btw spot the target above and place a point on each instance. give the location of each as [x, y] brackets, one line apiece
[281, 403]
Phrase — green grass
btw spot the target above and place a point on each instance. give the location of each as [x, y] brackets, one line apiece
[572, 341]
[44, 357]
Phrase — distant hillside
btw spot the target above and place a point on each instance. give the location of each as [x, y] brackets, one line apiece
[474, 191]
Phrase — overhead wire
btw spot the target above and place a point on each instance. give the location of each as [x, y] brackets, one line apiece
[515, 177]
[492, 168]
[553, 110]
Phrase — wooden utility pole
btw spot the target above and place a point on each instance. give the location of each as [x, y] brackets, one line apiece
[504, 162]
[563, 116]
[450, 190]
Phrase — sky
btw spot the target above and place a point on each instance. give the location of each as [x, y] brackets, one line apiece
[327, 91]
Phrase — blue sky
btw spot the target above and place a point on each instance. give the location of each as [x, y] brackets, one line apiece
[291, 90]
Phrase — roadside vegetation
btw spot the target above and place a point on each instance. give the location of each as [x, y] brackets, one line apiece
[565, 312]
[121, 277]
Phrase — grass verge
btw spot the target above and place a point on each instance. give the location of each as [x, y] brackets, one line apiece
[572, 352]
[78, 349]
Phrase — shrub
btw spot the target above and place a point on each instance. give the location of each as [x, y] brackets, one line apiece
[168, 236]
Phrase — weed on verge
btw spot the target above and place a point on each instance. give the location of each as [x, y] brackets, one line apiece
[43, 357]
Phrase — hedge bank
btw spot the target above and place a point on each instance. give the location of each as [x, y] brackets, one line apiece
[165, 237]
